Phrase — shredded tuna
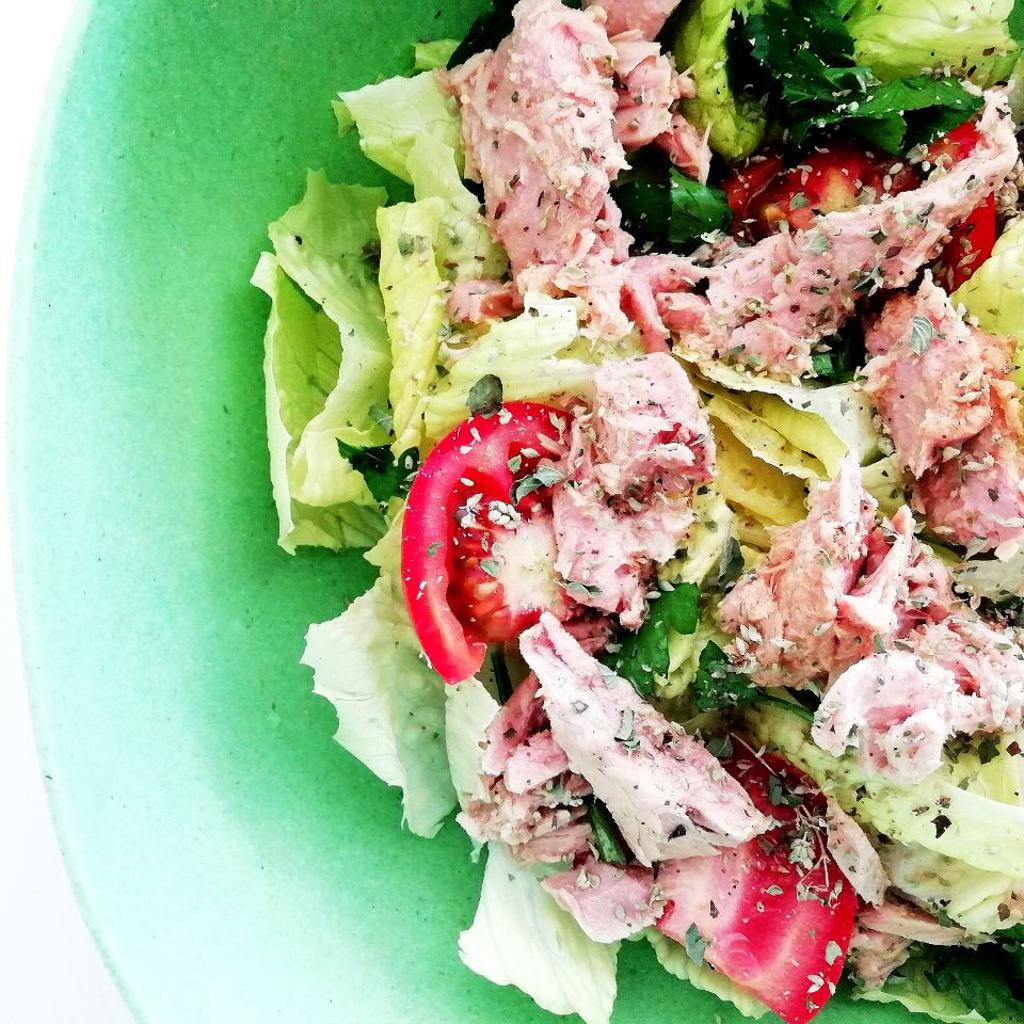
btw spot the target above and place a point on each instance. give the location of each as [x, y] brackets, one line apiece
[668, 795]
[873, 956]
[944, 391]
[855, 855]
[830, 586]
[909, 922]
[608, 902]
[630, 472]
[988, 666]
[647, 86]
[648, 17]
[774, 301]
[534, 803]
[976, 498]
[538, 129]
[895, 709]
[473, 302]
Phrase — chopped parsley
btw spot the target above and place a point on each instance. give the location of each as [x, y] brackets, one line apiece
[385, 476]
[718, 685]
[606, 835]
[694, 944]
[642, 656]
[485, 396]
[542, 476]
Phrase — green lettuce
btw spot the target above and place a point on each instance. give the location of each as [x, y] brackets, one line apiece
[735, 124]
[910, 988]
[831, 420]
[413, 309]
[970, 809]
[538, 355]
[390, 703]
[975, 899]
[433, 54]
[391, 115]
[521, 937]
[321, 499]
[989, 577]
[465, 249]
[678, 962]
[469, 710]
[322, 243]
[975, 38]
[995, 292]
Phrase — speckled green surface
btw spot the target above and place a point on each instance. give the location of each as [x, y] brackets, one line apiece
[234, 863]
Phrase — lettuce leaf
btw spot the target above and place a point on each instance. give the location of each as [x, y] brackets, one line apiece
[992, 578]
[958, 986]
[322, 244]
[390, 703]
[536, 355]
[839, 414]
[903, 37]
[465, 250]
[302, 349]
[735, 124]
[433, 54]
[762, 440]
[469, 710]
[995, 292]
[980, 901]
[392, 114]
[413, 309]
[521, 937]
[674, 958]
[766, 493]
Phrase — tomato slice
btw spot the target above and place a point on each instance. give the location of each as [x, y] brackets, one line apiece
[971, 243]
[747, 182]
[954, 146]
[838, 177]
[776, 913]
[478, 564]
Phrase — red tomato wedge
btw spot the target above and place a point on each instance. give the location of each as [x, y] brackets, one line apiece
[776, 913]
[839, 177]
[477, 542]
[747, 182]
[970, 244]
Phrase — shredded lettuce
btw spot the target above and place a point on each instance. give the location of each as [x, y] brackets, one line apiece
[413, 309]
[390, 703]
[465, 250]
[521, 937]
[675, 959]
[907, 37]
[995, 292]
[910, 988]
[535, 355]
[735, 124]
[762, 440]
[302, 350]
[392, 114]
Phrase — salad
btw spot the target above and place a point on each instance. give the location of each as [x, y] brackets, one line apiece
[673, 387]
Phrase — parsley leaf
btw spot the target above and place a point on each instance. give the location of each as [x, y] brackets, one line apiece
[385, 475]
[717, 685]
[485, 396]
[807, 48]
[643, 655]
[662, 206]
[606, 835]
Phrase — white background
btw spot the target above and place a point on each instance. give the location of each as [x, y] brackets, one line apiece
[50, 972]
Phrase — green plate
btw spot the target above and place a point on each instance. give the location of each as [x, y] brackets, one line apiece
[234, 863]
